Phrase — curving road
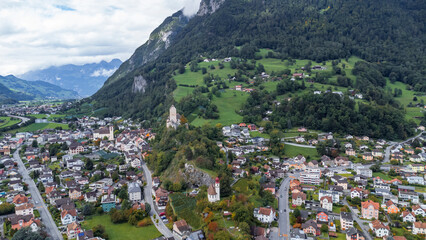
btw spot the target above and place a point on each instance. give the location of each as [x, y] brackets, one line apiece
[23, 119]
[148, 198]
[299, 145]
[387, 151]
[38, 202]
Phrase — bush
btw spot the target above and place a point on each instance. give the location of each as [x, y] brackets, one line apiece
[145, 222]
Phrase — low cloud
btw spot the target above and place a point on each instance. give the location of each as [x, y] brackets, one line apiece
[40, 33]
[103, 72]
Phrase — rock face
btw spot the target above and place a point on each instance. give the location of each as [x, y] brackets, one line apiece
[196, 177]
[209, 6]
[139, 84]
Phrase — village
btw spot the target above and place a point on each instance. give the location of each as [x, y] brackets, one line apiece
[54, 180]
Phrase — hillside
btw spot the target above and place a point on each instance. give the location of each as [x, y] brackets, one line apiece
[21, 90]
[84, 79]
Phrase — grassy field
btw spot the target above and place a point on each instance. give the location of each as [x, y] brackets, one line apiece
[38, 116]
[7, 121]
[40, 126]
[292, 151]
[241, 186]
[122, 231]
[53, 116]
[184, 207]
[228, 103]
[258, 134]
[382, 176]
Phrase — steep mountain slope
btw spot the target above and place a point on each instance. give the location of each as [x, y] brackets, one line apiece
[84, 79]
[9, 97]
[29, 90]
[390, 32]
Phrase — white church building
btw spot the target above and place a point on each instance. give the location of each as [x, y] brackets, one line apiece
[101, 133]
[213, 193]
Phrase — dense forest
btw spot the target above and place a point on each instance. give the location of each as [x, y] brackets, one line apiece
[390, 33]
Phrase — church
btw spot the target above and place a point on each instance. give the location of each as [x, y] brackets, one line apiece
[174, 119]
[101, 133]
[213, 193]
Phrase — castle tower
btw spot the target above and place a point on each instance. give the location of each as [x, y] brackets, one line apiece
[173, 115]
[217, 188]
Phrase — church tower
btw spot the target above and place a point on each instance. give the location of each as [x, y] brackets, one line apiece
[111, 133]
[173, 115]
[217, 188]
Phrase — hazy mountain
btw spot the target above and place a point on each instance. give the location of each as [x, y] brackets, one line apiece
[15, 89]
[84, 79]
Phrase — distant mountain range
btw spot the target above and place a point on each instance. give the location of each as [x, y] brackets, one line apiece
[84, 79]
[13, 89]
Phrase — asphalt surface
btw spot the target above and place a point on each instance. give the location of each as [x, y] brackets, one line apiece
[38, 202]
[23, 119]
[360, 222]
[148, 198]
[284, 210]
[299, 145]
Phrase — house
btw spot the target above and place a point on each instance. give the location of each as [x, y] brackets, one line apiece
[417, 210]
[415, 158]
[370, 209]
[391, 207]
[75, 193]
[310, 177]
[24, 209]
[327, 203]
[90, 197]
[73, 230]
[75, 148]
[135, 192]
[68, 216]
[354, 234]
[377, 153]
[346, 220]
[297, 234]
[108, 202]
[367, 156]
[419, 228]
[20, 199]
[350, 152]
[181, 229]
[18, 222]
[416, 180]
[408, 193]
[408, 216]
[311, 227]
[264, 214]
[365, 171]
[161, 197]
[379, 228]
[417, 167]
[359, 192]
[322, 216]
[270, 186]
[298, 198]
[335, 196]
[197, 235]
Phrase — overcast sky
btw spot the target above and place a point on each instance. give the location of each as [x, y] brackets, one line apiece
[36, 34]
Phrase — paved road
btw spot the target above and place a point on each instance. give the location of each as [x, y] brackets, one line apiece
[284, 209]
[359, 221]
[148, 197]
[299, 145]
[38, 202]
[387, 152]
[23, 119]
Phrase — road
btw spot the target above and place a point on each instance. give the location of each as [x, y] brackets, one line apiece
[299, 145]
[359, 221]
[387, 152]
[23, 119]
[284, 209]
[148, 198]
[38, 202]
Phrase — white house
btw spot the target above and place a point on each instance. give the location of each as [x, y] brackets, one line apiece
[379, 228]
[327, 203]
[416, 180]
[135, 192]
[264, 214]
[408, 216]
[68, 216]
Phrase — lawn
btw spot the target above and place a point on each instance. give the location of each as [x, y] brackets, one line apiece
[184, 207]
[181, 92]
[228, 103]
[292, 151]
[38, 116]
[7, 121]
[122, 231]
[346, 175]
[241, 186]
[39, 126]
[382, 176]
[258, 134]
[53, 116]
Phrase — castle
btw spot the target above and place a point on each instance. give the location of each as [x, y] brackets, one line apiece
[213, 193]
[174, 119]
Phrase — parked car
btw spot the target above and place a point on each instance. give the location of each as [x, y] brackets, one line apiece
[162, 214]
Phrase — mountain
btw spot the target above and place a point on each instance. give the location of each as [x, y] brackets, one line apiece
[389, 33]
[15, 89]
[84, 79]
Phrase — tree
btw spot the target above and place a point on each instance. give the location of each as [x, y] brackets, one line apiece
[89, 164]
[87, 210]
[375, 167]
[147, 208]
[27, 234]
[244, 227]
[34, 144]
[7, 208]
[99, 231]
[324, 228]
[123, 194]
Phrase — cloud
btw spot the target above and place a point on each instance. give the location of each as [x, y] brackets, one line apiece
[40, 33]
[103, 72]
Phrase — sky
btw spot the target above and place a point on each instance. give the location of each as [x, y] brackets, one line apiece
[36, 34]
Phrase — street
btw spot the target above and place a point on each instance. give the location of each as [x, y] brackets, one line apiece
[148, 198]
[47, 219]
[359, 221]
[23, 119]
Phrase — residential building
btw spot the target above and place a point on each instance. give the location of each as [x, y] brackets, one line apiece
[419, 228]
[408, 216]
[181, 229]
[391, 207]
[346, 220]
[311, 227]
[380, 229]
[298, 198]
[68, 216]
[135, 192]
[370, 209]
[108, 202]
[264, 214]
[327, 203]
[24, 209]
